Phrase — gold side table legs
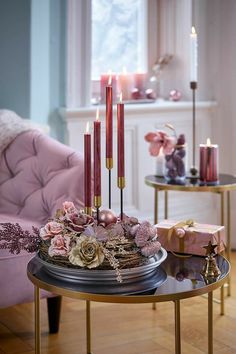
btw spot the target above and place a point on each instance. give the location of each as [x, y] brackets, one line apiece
[210, 323]
[88, 327]
[37, 320]
[177, 327]
[228, 237]
[166, 205]
[155, 206]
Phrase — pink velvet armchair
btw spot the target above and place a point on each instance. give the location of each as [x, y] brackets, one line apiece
[37, 174]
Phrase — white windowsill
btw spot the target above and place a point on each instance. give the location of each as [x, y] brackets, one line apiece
[136, 108]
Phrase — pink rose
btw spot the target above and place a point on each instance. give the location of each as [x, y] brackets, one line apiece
[69, 207]
[60, 246]
[51, 229]
[79, 221]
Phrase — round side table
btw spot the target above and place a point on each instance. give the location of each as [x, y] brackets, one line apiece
[182, 280]
[227, 183]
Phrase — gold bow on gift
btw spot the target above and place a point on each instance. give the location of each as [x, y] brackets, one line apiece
[184, 225]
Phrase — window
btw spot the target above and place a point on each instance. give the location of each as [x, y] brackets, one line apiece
[130, 41]
[118, 36]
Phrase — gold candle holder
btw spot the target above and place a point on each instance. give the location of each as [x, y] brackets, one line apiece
[193, 169]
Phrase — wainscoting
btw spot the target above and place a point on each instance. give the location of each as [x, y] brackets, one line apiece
[140, 119]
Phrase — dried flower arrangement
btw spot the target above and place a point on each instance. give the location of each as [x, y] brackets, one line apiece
[74, 239]
[174, 149]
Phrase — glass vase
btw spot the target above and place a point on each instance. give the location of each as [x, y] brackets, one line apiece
[175, 165]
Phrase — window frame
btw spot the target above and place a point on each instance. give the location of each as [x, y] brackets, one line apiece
[79, 14]
[162, 19]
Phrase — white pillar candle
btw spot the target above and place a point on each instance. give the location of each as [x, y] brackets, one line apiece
[193, 56]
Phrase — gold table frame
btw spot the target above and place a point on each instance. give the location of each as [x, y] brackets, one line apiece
[220, 189]
[68, 291]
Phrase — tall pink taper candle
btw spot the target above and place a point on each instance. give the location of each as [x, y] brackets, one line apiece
[120, 144]
[109, 126]
[87, 172]
[97, 161]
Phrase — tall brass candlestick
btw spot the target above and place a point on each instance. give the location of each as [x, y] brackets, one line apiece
[193, 169]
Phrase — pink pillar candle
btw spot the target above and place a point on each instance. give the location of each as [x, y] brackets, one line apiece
[126, 84]
[209, 162]
[120, 140]
[87, 168]
[140, 81]
[109, 127]
[97, 157]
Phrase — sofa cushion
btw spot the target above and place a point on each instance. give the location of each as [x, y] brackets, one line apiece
[37, 175]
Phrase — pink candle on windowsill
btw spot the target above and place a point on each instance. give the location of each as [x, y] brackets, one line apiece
[125, 84]
[87, 168]
[209, 163]
[140, 81]
[104, 79]
[120, 139]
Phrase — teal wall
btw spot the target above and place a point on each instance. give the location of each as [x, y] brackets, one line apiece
[15, 55]
[32, 60]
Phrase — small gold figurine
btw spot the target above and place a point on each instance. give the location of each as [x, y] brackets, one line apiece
[210, 269]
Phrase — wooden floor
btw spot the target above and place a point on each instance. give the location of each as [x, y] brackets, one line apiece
[123, 329]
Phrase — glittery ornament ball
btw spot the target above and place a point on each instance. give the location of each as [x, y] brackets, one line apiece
[107, 217]
[175, 95]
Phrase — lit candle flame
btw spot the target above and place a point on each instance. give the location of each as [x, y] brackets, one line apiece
[121, 97]
[124, 70]
[208, 142]
[193, 30]
[87, 128]
[110, 80]
[97, 115]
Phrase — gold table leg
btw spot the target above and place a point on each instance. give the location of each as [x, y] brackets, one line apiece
[156, 206]
[155, 222]
[88, 327]
[228, 249]
[222, 298]
[37, 320]
[210, 323]
[177, 327]
[166, 205]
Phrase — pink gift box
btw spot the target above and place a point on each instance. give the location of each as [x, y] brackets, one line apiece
[175, 237]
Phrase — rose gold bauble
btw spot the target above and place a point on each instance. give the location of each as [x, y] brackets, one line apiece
[175, 95]
[107, 217]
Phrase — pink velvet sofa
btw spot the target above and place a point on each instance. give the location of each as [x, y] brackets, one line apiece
[37, 174]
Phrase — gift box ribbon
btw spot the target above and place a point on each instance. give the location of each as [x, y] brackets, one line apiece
[183, 226]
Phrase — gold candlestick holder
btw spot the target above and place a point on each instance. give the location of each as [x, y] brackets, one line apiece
[109, 166]
[121, 186]
[193, 169]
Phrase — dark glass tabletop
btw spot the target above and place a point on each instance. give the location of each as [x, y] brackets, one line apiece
[176, 278]
[226, 182]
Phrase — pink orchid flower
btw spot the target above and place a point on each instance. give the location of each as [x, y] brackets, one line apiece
[159, 140]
